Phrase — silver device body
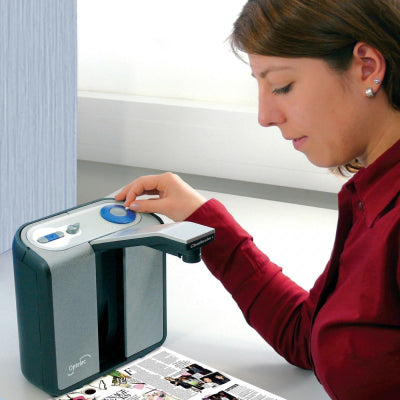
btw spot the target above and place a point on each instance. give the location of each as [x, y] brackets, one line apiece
[91, 289]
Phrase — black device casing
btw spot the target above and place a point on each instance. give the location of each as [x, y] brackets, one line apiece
[85, 310]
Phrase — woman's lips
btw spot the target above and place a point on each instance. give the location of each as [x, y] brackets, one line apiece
[299, 142]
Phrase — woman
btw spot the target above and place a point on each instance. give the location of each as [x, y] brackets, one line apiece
[328, 77]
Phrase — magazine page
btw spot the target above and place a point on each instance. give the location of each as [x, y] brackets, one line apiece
[166, 375]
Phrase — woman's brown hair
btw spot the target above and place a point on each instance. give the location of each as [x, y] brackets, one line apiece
[326, 30]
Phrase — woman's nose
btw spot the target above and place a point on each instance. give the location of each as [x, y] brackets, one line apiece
[269, 114]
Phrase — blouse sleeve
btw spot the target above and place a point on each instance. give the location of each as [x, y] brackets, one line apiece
[275, 306]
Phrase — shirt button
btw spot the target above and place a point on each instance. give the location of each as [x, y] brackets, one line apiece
[360, 205]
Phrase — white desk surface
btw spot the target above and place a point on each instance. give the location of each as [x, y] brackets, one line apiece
[203, 321]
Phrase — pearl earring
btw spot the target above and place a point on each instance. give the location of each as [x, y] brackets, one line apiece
[369, 92]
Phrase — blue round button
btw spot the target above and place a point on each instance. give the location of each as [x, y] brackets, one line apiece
[117, 214]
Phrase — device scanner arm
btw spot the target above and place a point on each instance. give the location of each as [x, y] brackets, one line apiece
[182, 239]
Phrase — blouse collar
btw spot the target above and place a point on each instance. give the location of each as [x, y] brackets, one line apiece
[378, 184]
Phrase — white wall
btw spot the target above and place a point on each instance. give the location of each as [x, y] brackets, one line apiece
[190, 138]
[160, 88]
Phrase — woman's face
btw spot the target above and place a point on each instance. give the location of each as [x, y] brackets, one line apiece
[325, 114]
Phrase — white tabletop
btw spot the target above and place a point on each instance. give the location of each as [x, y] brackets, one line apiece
[203, 321]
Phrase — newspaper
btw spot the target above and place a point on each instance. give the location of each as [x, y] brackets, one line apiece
[166, 375]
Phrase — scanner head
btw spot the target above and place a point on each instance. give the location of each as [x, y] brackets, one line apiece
[182, 239]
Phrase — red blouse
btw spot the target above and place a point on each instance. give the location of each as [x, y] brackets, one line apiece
[347, 328]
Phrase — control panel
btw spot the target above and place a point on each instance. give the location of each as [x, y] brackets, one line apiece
[77, 226]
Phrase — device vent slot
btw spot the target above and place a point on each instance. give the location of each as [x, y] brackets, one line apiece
[110, 307]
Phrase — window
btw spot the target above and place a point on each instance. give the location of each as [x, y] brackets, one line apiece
[174, 49]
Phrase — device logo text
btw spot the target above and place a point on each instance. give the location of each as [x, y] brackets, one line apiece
[200, 242]
[80, 363]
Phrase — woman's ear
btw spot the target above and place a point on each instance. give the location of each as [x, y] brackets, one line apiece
[371, 64]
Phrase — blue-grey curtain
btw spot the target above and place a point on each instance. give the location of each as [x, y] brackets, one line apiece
[38, 87]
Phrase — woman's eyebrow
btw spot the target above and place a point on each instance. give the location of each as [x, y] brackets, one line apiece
[266, 71]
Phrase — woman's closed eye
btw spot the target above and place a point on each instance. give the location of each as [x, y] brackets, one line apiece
[283, 90]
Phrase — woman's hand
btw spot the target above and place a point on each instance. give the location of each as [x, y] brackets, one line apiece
[176, 199]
